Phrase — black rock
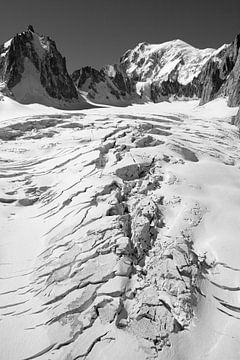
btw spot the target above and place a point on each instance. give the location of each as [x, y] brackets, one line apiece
[30, 28]
[236, 119]
[110, 80]
[34, 59]
[222, 76]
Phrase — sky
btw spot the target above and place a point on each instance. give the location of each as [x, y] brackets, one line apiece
[98, 32]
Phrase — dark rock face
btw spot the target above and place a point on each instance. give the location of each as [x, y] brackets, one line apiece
[169, 88]
[29, 50]
[222, 76]
[87, 73]
[108, 85]
[30, 28]
[217, 76]
[119, 78]
[236, 119]
[211, 82]
[233, 84]
[33, 70]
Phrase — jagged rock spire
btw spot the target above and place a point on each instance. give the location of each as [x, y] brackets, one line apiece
[30, 27]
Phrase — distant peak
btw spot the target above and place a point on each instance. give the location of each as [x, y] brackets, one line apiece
[30, 28]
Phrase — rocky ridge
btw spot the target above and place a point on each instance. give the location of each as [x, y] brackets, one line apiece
[221, 76]
[32, 70]
[175, 70]
[110, 85]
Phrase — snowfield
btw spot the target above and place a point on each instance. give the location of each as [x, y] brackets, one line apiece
[120, 232]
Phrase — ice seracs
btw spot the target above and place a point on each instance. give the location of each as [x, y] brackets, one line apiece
[115, 234]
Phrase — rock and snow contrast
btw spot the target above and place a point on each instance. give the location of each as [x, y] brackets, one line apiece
[172, 70]
[33, 71]
[119, 225]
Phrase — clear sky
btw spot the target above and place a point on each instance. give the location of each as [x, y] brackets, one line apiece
[98, 32]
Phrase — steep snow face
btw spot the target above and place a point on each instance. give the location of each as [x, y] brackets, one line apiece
[33, 70]
[175, 59]
[120, 233]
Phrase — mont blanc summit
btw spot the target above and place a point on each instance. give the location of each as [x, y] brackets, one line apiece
[119, 203]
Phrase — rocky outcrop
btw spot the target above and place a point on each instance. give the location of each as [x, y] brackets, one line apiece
[172, 88]
[33, 70]
[172, 70]
[236, 119]
[233, 83]
[221, 75]
[109, 85]
[161, 72]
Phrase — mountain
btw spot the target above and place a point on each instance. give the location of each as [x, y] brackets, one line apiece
[120, 226]
[110, 85]
[221, 75]
[236, 119]
[33, 71]
[166, 71]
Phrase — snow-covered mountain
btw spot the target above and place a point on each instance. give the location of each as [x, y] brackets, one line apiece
[151, 72]
[33, 71]
[119, 226]
[170, 70]
[166, 69]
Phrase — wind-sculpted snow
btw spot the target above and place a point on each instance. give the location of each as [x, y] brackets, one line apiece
[119, 235]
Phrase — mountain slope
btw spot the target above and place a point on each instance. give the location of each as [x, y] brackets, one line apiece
[170, 70]
[221, 75]
[32, 70]
[110, 85]
[152, 67]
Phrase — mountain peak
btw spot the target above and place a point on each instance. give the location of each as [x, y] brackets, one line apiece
[34, 71]
[30, 28]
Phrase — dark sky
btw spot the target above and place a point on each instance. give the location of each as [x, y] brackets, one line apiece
[98, 32]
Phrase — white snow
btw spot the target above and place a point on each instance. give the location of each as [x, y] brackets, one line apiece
[7, 44]
[10, 109]
[164, 58]
[71, 185]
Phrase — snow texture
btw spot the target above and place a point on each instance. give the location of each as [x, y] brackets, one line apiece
[119, 232]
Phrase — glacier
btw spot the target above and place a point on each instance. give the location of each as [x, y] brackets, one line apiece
[119, 232]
